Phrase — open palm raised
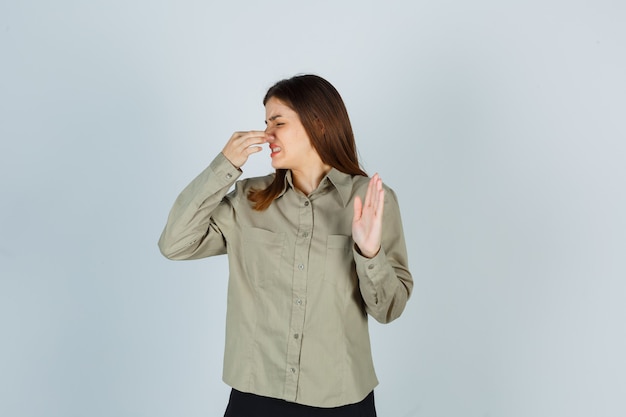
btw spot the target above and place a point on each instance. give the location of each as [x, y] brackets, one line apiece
[368, 218]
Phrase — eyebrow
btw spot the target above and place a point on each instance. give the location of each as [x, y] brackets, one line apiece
[271, 119]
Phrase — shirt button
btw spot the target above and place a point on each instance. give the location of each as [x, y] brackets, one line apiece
[229, 175]
[305, 234]
[295, 336]
[293, 370]
[370, 266]
[299, 302]
[300, 267]
[306, 203]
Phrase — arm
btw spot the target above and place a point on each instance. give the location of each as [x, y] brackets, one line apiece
[380, 254]
[191, 231]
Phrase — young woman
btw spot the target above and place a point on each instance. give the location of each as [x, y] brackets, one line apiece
[313, 249]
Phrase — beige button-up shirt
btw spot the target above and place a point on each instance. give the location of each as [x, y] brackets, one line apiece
[299, 291]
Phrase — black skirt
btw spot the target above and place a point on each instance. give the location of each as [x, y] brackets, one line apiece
[243, 404]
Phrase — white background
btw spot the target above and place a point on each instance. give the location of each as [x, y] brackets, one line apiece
[500, 125]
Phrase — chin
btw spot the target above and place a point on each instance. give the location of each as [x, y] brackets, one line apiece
[278, 165]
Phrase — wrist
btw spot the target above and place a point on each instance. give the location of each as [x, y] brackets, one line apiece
[369, 254]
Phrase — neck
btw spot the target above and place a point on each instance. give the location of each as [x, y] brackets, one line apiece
[308, 180]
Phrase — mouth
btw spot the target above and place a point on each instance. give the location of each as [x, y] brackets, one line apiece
[275, 150]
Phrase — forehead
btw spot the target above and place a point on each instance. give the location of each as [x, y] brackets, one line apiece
[274, 107]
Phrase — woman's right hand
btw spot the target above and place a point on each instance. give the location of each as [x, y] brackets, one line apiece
[243, 144]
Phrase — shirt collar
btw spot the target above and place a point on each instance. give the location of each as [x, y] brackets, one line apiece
[341, 181]
[288, 183]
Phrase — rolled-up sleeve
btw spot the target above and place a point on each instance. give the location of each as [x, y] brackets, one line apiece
[384, 280]
[191, 231]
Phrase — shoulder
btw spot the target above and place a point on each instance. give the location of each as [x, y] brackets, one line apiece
[255, 182]
[360, 184]
[244, 186]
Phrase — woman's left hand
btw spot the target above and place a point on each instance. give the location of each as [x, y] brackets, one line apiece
[368, 218]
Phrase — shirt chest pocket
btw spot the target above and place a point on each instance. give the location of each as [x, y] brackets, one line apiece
[262, 253]
[339, 267]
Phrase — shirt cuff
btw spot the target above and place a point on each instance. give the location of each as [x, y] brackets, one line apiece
[371, 268]
[225, 172]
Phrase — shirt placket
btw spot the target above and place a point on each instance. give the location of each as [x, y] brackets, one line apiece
[299, 297]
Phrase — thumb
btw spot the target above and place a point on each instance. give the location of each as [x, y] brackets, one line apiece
[358, 206]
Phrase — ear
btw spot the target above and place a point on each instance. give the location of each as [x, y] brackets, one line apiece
[320, 125]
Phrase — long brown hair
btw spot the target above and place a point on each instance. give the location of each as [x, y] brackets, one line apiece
[325, 120]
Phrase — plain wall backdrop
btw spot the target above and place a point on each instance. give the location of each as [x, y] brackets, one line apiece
[500, 125]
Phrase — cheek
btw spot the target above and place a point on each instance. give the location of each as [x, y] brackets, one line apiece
[303, 139]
